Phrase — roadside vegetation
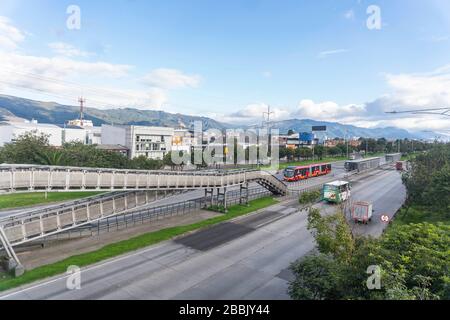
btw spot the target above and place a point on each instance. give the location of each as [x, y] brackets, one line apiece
[33, 148]
[310, 197]
[373, 147]
[413, 255]
[18, 200]
[129, 245]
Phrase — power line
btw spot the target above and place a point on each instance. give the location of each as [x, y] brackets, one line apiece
[268, 113]
[436, 111]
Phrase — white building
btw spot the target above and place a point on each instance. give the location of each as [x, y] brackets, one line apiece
[57, 135]
[151, 142]
[183, 140]
[9, 132]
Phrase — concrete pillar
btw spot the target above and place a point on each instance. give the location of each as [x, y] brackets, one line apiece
[74, 220]
[99, 180]
[101, 209]
[67, 187]
[112, 179]
[12, 176]
[88, 212]
[32, 179]
[225, 204]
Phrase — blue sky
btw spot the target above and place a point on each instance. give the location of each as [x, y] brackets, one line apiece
[229, 59]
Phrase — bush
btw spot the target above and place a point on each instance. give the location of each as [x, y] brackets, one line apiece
[309, 197]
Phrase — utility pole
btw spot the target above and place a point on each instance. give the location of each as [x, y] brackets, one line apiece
[268, 113]
[82, 102]
[346, 140]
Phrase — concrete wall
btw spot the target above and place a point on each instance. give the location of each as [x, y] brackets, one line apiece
[113, 135]
[10, 132]
[74, 135]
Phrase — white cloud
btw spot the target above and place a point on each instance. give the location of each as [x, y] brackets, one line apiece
[407, 92]
[421, 89]
[251, 114]
[63, 78]
[257, 110]
[68, 50]
[325, 54]
[10, 36]
[350, 14]
[171, 79]
[328, 110]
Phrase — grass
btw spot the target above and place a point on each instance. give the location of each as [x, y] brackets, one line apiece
[139, 242]
[419, 214]
[409, 157]
[18, 200]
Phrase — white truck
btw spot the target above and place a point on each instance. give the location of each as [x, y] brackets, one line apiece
[362, 212]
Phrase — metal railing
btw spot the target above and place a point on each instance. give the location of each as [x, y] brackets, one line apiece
[16, 178]
[149, 215]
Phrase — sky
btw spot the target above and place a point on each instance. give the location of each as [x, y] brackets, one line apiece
[335, 60]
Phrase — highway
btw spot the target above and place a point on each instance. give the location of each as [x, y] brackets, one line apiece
[387, 194]
[247, 258]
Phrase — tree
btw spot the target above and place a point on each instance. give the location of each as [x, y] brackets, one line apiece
[438, 192]
[309, 198]
[290, 132]
[425, 181]
[332, 234]
[334, 151]
[26, 148]
[316, 278]
[167, 161]
[305, 153]
[144, 163]
[319, 151]
[52, 157]
[290, 153]
[283, 152]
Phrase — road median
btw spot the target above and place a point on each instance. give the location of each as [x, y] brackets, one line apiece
[130, 245]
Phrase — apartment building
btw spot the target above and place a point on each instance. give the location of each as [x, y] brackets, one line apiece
[151, 142]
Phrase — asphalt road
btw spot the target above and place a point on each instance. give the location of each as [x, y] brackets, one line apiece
[387, 194]
[244, 259]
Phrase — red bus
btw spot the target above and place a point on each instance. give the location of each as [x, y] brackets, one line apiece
[305, 172]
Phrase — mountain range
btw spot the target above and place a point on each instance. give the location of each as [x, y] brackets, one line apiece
[20, 109]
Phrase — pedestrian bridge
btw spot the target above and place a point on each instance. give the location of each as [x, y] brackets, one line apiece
[30, 178]
[130, 189]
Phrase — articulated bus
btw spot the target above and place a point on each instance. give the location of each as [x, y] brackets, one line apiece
[292, 174]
